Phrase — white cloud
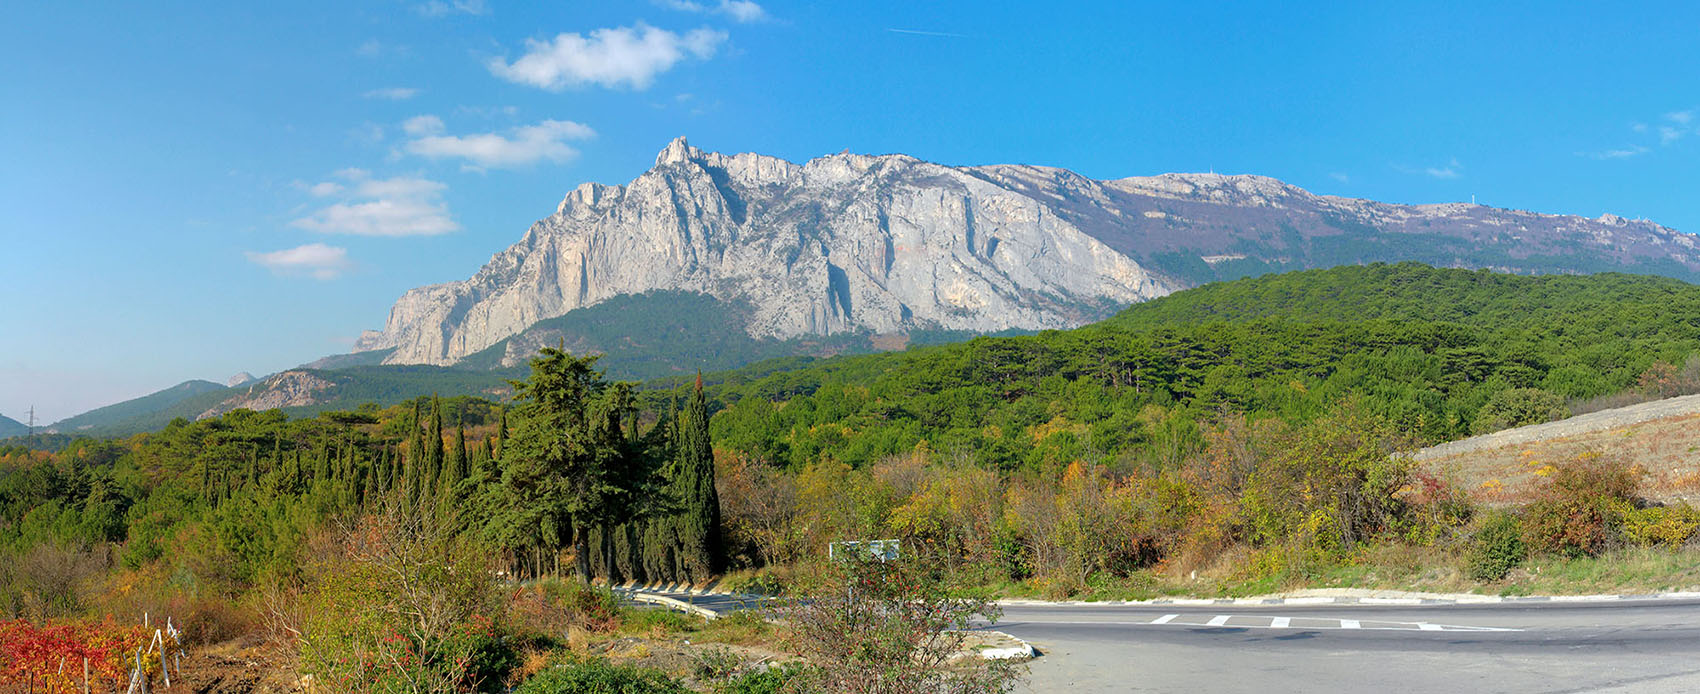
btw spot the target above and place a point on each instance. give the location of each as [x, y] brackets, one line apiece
[324, 189]
[1680, 117]
[400, 206]
[438, 8]
[622, 56]
[743, 11]
[521, 146]
[422, 125]
[393, 93]
[1623, 153]
[314, 259]
[1341, 177]
[1450, 171]
[1668, 134]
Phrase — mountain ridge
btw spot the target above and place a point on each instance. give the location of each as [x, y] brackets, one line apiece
[890, 243]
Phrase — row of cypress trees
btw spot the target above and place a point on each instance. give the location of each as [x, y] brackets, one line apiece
[579, 471]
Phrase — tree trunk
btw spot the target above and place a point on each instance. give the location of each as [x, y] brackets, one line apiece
[581, 552]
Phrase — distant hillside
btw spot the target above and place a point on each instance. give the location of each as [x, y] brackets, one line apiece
[11, 427]
[659, 334]
[141, 413]
[297, 392]
[1407, 291]
[1425, 348]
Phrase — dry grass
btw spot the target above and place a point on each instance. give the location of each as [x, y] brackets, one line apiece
[1668, 450]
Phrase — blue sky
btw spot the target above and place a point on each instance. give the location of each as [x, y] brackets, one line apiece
[192, 190]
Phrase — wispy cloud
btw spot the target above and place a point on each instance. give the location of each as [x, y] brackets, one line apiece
[438, 8]
[615, 57]
[1451, 170]
[522, 146]
[1680, 117]
[393, 93]
[1669, 134]
[1341, 177]
[373, 48]
[920, 32]
[1620, 153]
[400, 206]
[739, 10]
[316, 260]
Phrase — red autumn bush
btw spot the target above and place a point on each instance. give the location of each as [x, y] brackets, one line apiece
[1580, 508]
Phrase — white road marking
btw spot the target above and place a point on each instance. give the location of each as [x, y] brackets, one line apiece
[1217, 621]
[1279, 622]
[1349, 624]
[1389, 626]
[1165, 619]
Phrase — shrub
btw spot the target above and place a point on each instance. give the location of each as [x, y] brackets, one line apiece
[1661, 526]
[399, 604]
[763, 582]
[596, 676]
[552, 607]
[1498, 548]
[781, 679]
[889, 627]
[1579, 511]
[1517, 407]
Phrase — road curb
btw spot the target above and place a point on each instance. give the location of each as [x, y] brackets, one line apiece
[1024, 650]
[1430, 599]
[673, 603]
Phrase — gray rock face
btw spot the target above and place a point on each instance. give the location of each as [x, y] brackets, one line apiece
[287, 389]
[890, 243]
[842, 243]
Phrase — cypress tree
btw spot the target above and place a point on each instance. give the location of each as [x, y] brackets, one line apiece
[698, 524]
[433, 471]
[415, 459]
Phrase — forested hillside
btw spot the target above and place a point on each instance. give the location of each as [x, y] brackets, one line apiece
[1426, 348]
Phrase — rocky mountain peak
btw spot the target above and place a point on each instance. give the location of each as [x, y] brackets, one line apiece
[890, 243]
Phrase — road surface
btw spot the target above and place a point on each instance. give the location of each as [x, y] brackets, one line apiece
[1618, 646]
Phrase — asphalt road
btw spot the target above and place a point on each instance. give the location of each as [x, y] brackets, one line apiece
[1620, 646]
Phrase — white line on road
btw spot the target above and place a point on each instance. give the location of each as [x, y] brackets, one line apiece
[1217, 621]
[1279, 622]
[1341, 624]
[1165, 619]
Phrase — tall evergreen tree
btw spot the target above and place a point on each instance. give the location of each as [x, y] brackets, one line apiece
[697, 526]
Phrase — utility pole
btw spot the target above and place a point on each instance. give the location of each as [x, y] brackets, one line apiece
[32, 420]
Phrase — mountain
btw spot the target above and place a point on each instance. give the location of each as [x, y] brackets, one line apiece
[890, 244]
[11, 427]
[150, 411]
[242, 378]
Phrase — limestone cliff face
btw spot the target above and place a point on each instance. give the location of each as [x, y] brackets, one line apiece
[890, 243]
[842, 243]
